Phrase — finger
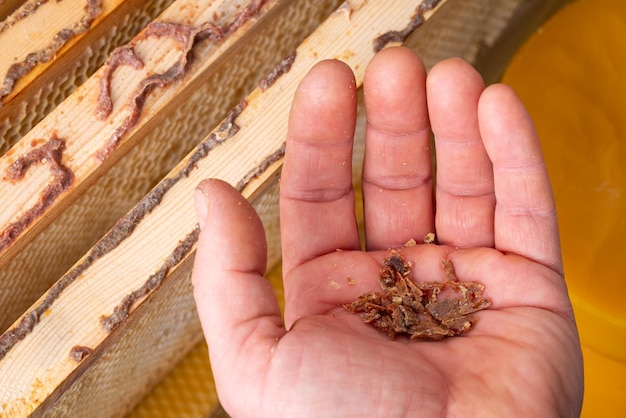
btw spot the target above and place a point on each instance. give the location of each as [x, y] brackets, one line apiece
[397, 172]
[512, 281]
[464, 192]
[237, 307]
[525, 214]
[316, 196]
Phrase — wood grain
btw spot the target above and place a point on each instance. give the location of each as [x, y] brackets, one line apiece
[49, 61]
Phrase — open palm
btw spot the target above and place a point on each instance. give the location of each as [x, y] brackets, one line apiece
[494, 218]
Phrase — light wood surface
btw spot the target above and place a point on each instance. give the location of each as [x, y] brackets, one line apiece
[49, 60]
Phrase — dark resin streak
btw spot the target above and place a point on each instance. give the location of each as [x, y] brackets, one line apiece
[22, 13]
[51, 152]
[261, 168]
[282, 68]
[20, 69]
[79, 353]
[120, 56]
[122, 310]
[186, 37]
[399, 36]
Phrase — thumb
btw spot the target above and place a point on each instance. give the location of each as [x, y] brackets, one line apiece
[236, 304]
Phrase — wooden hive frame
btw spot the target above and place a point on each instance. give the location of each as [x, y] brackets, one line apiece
[114, 311]
[48, 61]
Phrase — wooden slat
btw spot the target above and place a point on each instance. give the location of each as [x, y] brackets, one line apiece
[44, 26]
[48, 48]
[88, 311]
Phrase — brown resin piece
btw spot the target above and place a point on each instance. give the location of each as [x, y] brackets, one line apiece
[426, 310]
[79, 353]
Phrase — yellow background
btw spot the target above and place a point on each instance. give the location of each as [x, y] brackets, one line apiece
[572, 77]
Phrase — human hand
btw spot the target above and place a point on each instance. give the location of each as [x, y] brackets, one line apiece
[494, 217]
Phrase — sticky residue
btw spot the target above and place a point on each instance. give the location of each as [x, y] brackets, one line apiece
[51, 152]
[282, 68]
[416, 21]
[79, 353]
[186, 37]
[19, 69]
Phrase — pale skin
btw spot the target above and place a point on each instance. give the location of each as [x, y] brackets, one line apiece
[494, 216]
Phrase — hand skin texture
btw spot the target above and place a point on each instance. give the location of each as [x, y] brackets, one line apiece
[493, 213]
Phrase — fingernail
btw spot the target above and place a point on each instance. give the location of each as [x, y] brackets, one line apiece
[202, 206]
